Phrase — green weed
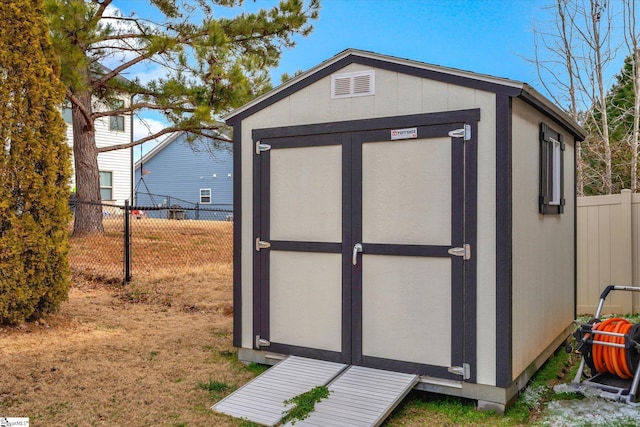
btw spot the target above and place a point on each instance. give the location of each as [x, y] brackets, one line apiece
[256, 368]
[304, 404]
[216, 389]
[230, 356]
[213, 386]
[434, 409]
[567, 395]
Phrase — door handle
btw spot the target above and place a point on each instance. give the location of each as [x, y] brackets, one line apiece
[356, 248]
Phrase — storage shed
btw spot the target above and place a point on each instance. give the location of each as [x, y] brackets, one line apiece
[409, 217]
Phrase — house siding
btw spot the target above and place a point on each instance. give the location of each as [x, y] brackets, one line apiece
[177, 172]
[118, 161]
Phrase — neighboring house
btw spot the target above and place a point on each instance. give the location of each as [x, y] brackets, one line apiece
[115, 166]
[186, 174]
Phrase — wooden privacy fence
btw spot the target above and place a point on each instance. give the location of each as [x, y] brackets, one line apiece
[608, 251]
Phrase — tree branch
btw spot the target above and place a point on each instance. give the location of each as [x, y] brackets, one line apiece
[103, 6]
[113, 73]
[85, 113]
[140, 106]
[167, 130]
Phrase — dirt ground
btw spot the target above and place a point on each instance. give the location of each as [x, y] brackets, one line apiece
[133, 357]
[156, 352]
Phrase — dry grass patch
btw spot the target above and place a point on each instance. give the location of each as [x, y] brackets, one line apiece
[104, 360]
[135, 355]
[158, 246]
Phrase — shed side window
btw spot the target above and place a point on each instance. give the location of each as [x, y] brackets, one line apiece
[551, 171]
[205, 196]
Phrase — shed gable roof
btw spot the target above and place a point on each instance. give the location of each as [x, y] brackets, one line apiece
[483, 82]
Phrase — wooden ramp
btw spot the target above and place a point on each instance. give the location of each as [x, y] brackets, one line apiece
[358, 396]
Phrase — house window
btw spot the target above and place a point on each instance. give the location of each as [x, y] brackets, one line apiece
[106, 185]
[116, 123]
[205, 196]
[66, 114]
[551, 171]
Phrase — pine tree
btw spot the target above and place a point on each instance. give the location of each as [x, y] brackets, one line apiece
[35, 167]
[212, 64]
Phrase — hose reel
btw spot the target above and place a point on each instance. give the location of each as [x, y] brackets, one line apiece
[610, 346]
[611, 349]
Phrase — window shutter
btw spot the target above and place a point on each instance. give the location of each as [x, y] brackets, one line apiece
[561, 177]
[552, 147]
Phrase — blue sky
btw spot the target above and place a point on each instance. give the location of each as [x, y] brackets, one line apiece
[491, 37]
[484, 36]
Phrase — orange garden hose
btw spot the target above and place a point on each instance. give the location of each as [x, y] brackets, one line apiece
[610, 351]
[611, 359]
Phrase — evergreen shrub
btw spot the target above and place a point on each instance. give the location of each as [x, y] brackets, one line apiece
[34, 168]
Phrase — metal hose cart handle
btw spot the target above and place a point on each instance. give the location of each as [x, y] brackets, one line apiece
[611, 350]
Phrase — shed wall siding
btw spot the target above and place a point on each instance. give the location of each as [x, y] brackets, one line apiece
[178, 172]
[486, 238]
[395, 94]
[543, 245]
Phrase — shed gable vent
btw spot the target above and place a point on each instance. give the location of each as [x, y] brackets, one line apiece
[359, 83]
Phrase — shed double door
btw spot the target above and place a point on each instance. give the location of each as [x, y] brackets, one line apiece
[359, 248]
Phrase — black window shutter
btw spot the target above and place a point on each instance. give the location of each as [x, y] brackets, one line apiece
[547, 171]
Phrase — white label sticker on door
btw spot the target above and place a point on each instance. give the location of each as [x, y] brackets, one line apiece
[407, 133]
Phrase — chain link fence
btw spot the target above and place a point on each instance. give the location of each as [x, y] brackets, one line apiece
[146, 241]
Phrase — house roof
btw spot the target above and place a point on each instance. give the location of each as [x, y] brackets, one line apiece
[100, 70]
[168, 140]
[435, 72]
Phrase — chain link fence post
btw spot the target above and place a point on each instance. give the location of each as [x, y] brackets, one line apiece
[127, 242]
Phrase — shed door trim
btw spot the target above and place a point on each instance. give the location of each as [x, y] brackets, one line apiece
[262, 258]
[261, 221]
[459, 306]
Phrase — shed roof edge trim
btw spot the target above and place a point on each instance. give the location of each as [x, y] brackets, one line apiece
[463, 78]
[352, 55]
[535, 98]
